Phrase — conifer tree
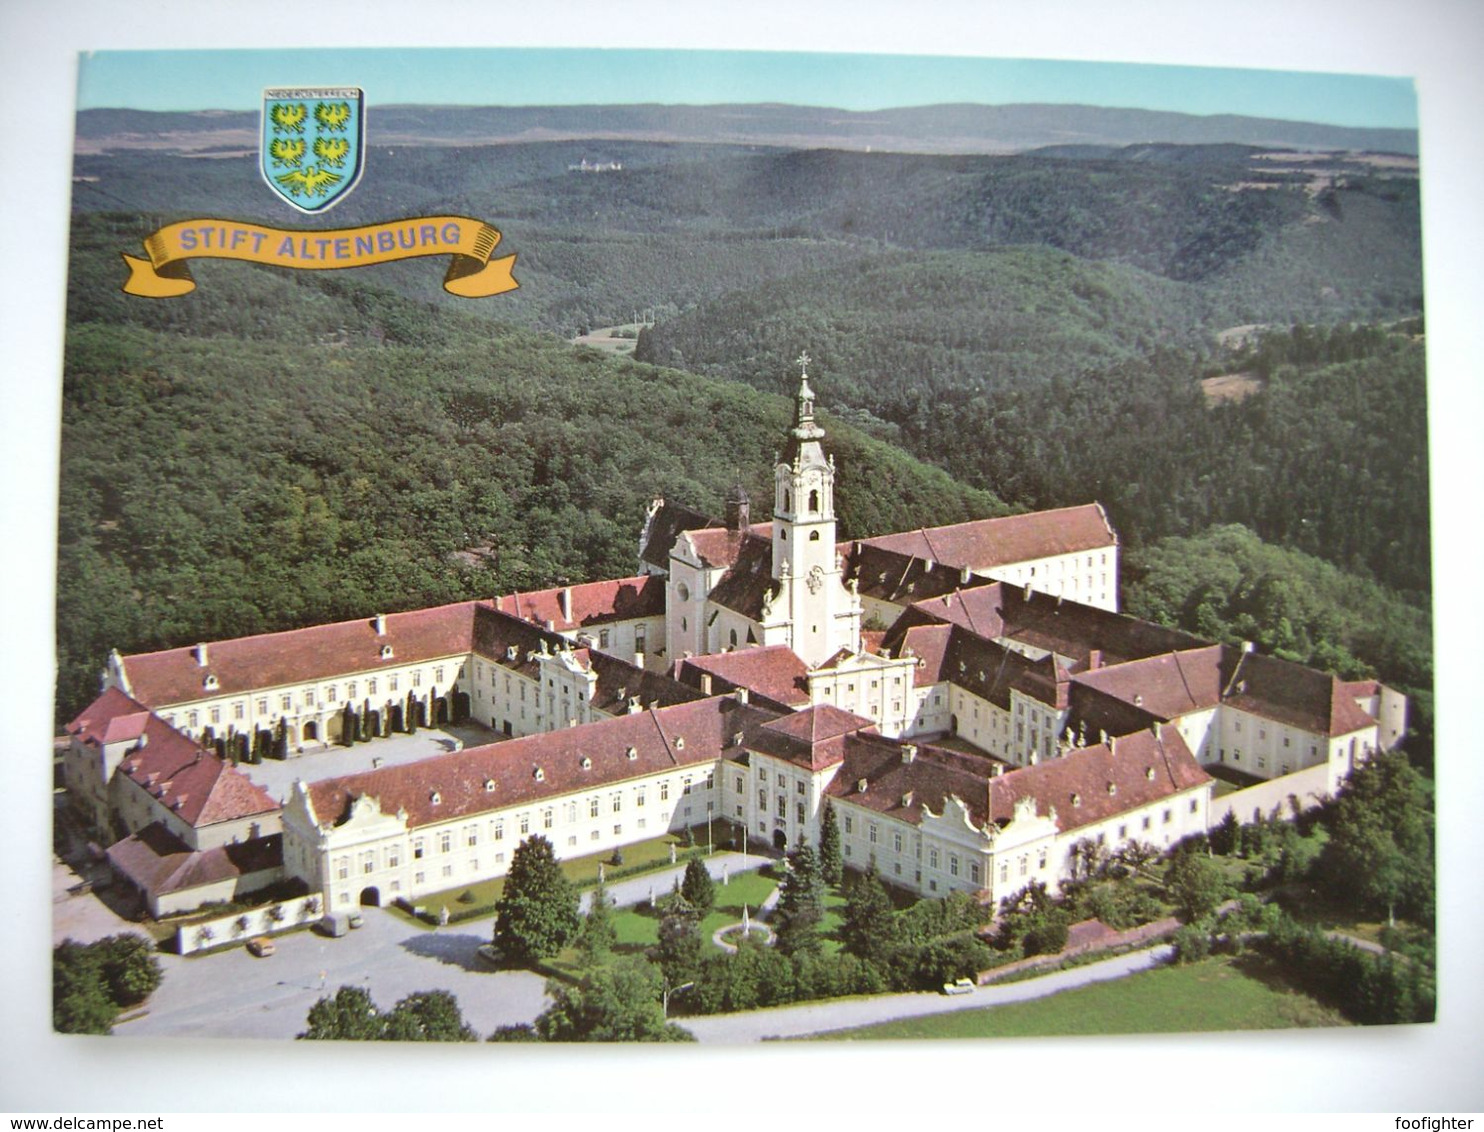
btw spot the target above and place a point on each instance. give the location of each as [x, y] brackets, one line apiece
[869, 931]
[598, 934]
[831, 865]
[537, 915]
[800, 903]
[697, 887]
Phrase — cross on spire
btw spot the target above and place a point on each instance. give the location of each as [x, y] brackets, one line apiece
[803, 361]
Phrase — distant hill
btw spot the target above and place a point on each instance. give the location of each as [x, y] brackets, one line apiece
[951, 128]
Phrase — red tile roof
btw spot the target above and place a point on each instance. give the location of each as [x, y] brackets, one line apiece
[814, 737]
[453, 786]
[193, 783]
[748, 580]
[773, 674]
[108, 718]
[718, 546]
[591, 603]
[989, 543]
[320, 652]
[663, 527]
[902, 780]
[1095, 784]
[158, 862]
[899, 578]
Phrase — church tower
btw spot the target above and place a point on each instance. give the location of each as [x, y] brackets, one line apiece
[823, 614]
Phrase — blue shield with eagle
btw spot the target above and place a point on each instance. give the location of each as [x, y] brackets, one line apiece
[312, 151]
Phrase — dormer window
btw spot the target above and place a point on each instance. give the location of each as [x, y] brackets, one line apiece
[631, 754]
[680, 742]
[435, 797]
[860, 785]
[386, 652]
[586, 763]
[511, 653]
[1112, 789]
[489, 785]
[539, 775]
[1076, 799]
[1149, 773]
[212, 683]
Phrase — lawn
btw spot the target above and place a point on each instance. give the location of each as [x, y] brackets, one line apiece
[1213, 995]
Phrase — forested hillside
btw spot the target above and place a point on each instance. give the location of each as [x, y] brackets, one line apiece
[277, 448]
[310, 453]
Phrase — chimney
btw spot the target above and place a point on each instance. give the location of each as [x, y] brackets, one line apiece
[639, 658]
[743, 695]
[1113, 745]
[564, 600]
[1094, 660]
[909, 753]
[705, 683]
[996, 769]
[1248, 646]
[550, 627]
[1156, 729]
[200, 653]
[738, 509]
[964, 575]
[379, 623]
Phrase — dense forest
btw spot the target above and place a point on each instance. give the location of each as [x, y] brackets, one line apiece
[330, 459]
[280, 448]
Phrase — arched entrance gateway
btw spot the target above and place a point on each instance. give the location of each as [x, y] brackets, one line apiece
[371, 897]
[780, 840]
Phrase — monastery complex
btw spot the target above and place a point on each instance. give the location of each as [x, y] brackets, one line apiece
[967, 698]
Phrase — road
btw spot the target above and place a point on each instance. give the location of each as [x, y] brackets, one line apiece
[841, 1014]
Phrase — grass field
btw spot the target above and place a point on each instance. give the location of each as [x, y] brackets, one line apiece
[1216, 994]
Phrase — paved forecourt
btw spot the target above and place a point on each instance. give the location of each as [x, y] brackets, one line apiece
[231, 994]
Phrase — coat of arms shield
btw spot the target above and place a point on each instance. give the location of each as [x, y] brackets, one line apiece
[312, 152]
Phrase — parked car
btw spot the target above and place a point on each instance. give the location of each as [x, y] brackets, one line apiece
[959, 986]
[335, 924]
[261, 946]
[355, 920]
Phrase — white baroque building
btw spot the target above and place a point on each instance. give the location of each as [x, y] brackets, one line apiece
[968, 699]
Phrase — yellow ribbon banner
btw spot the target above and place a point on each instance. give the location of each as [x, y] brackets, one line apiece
[471, 272]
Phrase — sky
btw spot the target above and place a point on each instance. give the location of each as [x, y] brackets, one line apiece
[234, 80]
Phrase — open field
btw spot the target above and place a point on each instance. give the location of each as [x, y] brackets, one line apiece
[1217, 994]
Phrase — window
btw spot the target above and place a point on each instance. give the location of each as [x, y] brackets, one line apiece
[664, 791]
[448, 870]
[437, 676]
[330, 696]
[287, 702]
[342, 868]
[445, 842]
[592, 806]
[368, 863]
[618, 803]
[932, 858]
[546, 818]
[1146, 821]
[263, 706]
[639, 795]
[952, 864]
[602, 638]
[1193, 804]
[872, 833]
[239, 710]
[371, 686]
[799, 810]
[417, 849]
[1025, 864]
[739, 784]
[849, 823]
[308, 697]
[896, 842]
[499, 831]
[216, 715]
[391, 683]
[417, 678]
[571, 839]
[194, 719]
[974, 871]
[525, 824]
[762, 799]
[471, 836]
[782, 805]
[618, 830]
